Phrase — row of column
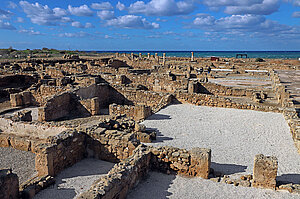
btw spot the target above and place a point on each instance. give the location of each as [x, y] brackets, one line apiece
[155, 56]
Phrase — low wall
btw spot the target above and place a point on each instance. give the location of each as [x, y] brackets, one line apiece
[21, 99]
[122, 177]
[127, 174]
[214, 101]
[137, 112]
[195, 162]
[60, 152]
[57, 106]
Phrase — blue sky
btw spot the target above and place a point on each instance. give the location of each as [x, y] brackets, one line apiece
[151, 25]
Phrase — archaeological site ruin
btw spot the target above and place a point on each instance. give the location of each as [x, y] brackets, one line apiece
[149, 126]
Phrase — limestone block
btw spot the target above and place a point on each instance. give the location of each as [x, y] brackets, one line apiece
[9, 182]
[265, 171]
[44, 164]
[20, 143]
[26, 96]
[16, 100]
[200, 162]
[4, 140]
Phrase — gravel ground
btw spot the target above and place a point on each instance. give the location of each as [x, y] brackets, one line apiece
[75, 180]
[21, 162]
[235, 137]
[161, 186]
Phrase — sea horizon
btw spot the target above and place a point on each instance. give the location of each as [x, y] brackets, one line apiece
[224, 54]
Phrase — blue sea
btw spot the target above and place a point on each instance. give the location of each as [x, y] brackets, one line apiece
[227, 54]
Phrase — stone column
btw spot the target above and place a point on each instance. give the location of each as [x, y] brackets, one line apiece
[192, 58]
[140, 55]
[164, 58]
[265, 171]
[200, 162]
[148, 55]
[131, 56]
[157, 57]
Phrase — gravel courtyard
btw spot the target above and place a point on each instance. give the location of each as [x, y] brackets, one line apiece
[21, 162]
[234, 136]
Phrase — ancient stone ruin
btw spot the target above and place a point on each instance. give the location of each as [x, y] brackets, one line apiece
[61, 111]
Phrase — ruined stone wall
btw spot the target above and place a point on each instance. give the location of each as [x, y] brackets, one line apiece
[41, 94]
[148, 98]
[122, 177]
[195, 162]
[218, 101]
[126, 175]
[282, 95]
[101, 91]
[109, 145]
[22, 99]
[61, 151]
[220, 90]
[57, 106]
[138, 112]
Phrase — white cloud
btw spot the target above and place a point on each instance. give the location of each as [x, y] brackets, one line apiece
[162, 7]
[77, 24]
[30, 32]
[20, 20]
[297, 2]
[6, 25]
[77, 34]
[237, 24]
[219, 3]
[108, 37]
[5, 14]
[89, 25]
[106, 14]
[132, 22]
[258, 7]
[161, 20]
[12, 5]
[43, 15]
[265, 8]
[296, 15]
[102, 6]
[120, 6]
[83, 10]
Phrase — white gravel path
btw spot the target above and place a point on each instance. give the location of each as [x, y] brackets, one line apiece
[235, 137]
[161, 186]
[75, 180]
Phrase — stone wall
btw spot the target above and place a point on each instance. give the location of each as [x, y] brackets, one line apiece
[126, 175]
[9, 184]
[122, 177]
[22, 99]
[57, 106]
[195, 162]
[219, 101]
[60, 152]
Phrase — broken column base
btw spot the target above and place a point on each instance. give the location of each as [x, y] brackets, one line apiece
[265, 171]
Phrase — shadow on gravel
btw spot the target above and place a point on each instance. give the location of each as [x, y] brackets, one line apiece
[155, 186]
[228, 169]
[75, 179]
[158, 116]
[289, 178]
[159, 136]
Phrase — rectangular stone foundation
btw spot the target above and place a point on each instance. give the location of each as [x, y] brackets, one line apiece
[265, 171]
